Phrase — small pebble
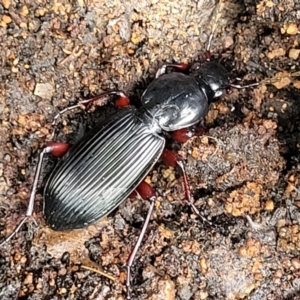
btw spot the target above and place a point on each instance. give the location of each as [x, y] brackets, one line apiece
[294, 53]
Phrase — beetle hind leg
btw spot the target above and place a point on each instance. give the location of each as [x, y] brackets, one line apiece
[56, 149]
[147, 193]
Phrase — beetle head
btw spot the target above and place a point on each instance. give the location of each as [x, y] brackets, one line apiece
[212, 74]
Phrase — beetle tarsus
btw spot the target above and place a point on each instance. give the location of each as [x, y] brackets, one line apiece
[14, 232]
[58, 150]
[35, 181]
[64, 111]
[128, 268]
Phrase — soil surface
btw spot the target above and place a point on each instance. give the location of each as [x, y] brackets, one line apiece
[244, 172]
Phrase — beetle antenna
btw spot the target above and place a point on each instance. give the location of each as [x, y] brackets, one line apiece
[266, 81]
[209, 42]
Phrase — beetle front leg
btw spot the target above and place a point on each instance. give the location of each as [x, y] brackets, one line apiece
[163, 69]
[57, 150]
[100, 100]
[184, 134]
[147, 193]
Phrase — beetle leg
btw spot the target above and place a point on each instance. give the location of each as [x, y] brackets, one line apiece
[238, 86]
[58, 150]
[102, 99]
[173, 159]
[188, 194]
[184, 134]
[99, 100]
[163, 69]
[146, 192]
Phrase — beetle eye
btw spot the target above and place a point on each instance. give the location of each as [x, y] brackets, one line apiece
[218, 93]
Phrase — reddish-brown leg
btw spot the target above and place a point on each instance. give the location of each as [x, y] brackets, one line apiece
[184, 134]
[163, 69]
[56, 149]
[147, 193]
[99, 100]
[173, 159]
[103, 98]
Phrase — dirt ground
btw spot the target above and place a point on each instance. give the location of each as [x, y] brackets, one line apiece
[244, 173]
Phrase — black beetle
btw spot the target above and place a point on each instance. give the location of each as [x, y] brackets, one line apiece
[111, 161]
[103, 168]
